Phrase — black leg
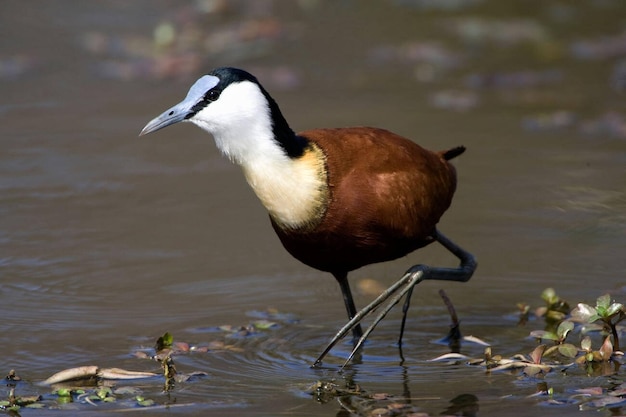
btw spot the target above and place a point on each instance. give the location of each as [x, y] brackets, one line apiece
[404, 286]
[405, 311]
[342, 279]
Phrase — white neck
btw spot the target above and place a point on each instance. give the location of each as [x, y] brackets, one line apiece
[294, 191]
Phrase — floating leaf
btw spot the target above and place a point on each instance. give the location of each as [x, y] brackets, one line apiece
[102, 393]
[532, 370]
[64, 400]
[63, 392]
[585, 313]
[142, 402]
[568, 350]
[543, 334]
[264, 324]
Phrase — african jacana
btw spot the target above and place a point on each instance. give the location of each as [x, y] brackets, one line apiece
[338, 199]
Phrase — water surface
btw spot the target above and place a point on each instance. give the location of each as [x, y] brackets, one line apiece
[108, 240]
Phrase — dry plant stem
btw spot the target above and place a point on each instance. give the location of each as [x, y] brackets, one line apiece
[451, 309]
[615, 337]
[405, 286]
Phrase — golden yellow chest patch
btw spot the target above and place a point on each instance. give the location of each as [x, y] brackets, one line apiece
[294, 191]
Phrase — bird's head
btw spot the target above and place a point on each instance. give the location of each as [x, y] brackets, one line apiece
[232, 105]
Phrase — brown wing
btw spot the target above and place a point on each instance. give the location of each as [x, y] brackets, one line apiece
[386, 196]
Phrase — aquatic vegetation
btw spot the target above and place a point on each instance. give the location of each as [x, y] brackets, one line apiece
[596, 355]
[563, 356]
[606, 312]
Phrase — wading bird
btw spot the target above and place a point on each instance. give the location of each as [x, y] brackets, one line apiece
[338, 199]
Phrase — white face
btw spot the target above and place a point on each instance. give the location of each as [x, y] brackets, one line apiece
[239, 105]
[239, 120]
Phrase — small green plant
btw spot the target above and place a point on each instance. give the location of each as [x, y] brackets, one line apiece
[606, 312]
[164, 342]
[560, 323]
[555, 310]
[558, 336]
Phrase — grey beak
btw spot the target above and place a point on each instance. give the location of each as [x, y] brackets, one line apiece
[169, 117]
[179, 112]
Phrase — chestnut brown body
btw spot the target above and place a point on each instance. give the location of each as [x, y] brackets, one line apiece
[385, 196]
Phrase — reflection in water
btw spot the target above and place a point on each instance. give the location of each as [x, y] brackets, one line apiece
[354, 399]
[463, 405]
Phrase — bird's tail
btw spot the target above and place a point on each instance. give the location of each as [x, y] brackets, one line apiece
[452, 153]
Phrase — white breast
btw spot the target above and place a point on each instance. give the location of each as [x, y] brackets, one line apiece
[294, 191]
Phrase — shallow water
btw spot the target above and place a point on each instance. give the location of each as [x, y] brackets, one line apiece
[108, 240]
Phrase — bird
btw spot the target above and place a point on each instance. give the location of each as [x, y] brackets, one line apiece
[338, 198]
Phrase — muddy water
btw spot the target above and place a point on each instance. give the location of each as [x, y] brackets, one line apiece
[108, 240]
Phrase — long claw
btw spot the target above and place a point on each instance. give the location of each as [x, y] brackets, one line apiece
[360, 315]
[415, 278]
[411, 278]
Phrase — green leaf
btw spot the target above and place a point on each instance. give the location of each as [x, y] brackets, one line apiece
[585, 344]
[549, 295]
[555, 316]
[102, 393]
[564, 328]
[614, 309]
[64, 392]
[569, 350]
[532, 370]
[64, 400]
[264, 324]
[603, 301]
[543, 334]
[549, 351]
[144, 403]
[585, 313]
[164, 342]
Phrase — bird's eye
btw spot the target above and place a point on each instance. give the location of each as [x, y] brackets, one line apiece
[212, 95]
